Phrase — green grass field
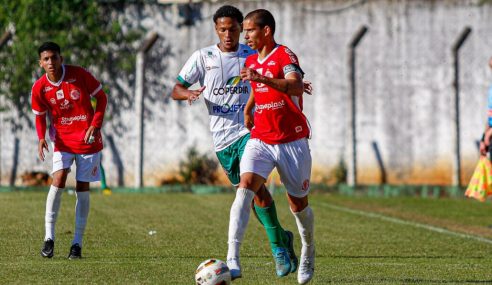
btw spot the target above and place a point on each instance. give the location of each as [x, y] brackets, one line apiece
[359, 240]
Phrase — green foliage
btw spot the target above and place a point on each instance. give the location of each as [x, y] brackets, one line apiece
[87, 32]
[339, 173]
[198, 168]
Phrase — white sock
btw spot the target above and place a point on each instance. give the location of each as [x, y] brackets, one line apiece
[81, 213]
[305, 225]
[238, 221]
[52, 207]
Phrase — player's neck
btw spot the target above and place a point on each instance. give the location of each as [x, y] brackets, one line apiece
[55, 76]
[266, 49]
[224, 49]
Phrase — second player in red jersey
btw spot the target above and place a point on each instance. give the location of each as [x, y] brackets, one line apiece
[278, 116]
[68, 105]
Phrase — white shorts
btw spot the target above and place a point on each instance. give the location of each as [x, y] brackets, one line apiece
[87, 165]
[292, 160]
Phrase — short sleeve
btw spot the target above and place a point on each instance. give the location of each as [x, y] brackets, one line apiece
[37, 104]
[290, 63]
[192, 71]
[92, 84]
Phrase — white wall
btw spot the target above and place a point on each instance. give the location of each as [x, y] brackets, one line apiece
[404, 87]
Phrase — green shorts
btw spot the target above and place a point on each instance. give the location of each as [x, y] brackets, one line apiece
[230, 157]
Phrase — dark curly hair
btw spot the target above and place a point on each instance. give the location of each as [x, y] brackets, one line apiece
[49, 46]
[229, 12]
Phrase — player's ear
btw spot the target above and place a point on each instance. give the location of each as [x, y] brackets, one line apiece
[267, 30]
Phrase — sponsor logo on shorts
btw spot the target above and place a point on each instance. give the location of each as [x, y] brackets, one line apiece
[233, 86]
[270, 106]
[227, 109]
[70, 120]
[305, 185]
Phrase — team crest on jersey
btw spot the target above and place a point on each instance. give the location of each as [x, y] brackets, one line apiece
[59, 94]
[47, 88]
[75, 94]
[53, 101]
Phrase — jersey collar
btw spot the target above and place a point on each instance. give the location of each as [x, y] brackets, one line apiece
[59, 81]
[266, 57]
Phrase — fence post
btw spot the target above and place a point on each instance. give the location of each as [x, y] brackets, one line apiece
[352, 171]
[456, 85]
[139, 105]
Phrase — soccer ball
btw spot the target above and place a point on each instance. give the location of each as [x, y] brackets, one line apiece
[212, 272]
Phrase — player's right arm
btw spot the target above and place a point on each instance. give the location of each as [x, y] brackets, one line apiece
[39, 109]
[41, 131]
[180, 92]
[191, 73]
[248, 109]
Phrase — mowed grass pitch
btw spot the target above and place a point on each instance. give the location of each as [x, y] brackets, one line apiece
[354, 245]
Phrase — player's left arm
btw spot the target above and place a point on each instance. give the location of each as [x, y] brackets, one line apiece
[97, 120]
[291, 84]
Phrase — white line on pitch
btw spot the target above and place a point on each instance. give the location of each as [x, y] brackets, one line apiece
[403, 222]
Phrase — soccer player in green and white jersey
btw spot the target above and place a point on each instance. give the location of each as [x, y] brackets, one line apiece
[217, 69]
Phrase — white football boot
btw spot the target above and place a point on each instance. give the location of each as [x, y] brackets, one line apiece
[234, 267]
[306, 265]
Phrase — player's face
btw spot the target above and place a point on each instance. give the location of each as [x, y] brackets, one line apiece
[253, 34]
[51, 62]
[228, 30]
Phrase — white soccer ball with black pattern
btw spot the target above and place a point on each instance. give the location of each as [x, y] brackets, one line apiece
[213, 272]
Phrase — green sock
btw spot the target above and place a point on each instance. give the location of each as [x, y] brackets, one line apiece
[275, 232]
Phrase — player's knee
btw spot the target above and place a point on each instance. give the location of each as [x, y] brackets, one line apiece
[298, 204]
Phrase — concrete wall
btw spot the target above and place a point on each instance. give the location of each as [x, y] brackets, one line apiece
[405, 102]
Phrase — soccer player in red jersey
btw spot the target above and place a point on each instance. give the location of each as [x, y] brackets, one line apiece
[63, 94]
[279, 133]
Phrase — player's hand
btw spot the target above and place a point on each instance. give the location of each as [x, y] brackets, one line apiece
[483, 149]
[90, 134]
[248, 121]
[194, 95]
[42, 145]
[308, 87]
[485, 144]
[249, 74]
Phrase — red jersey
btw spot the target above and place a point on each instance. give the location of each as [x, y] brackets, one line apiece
[278, 117]
[68, 105]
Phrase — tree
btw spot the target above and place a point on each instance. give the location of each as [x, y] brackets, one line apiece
[87, 31]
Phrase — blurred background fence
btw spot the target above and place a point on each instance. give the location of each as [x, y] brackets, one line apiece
[400, 87]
